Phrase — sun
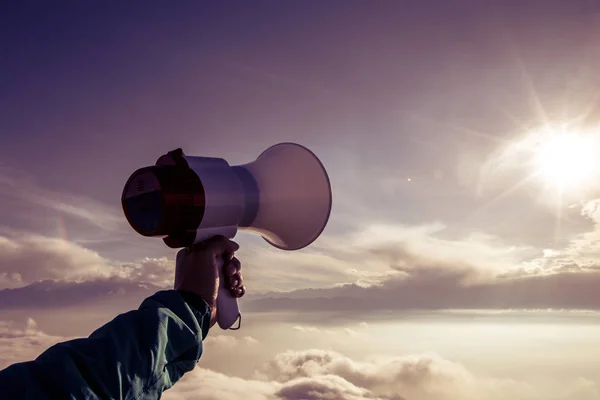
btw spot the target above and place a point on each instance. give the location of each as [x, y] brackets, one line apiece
[566, 159]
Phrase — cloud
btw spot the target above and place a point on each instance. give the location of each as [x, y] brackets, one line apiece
[396, 372]
[582, 252]
[420, 248]
[46, 295]
[7, 331]
[204, 384]
[23, 189]
[29, 258]
[312, 329]
[321, 374]
[439, 289]
[310, 267]
[158, 271]
[473, 272]
[332, 332]
[228, 342]
[378, 253]
[22, 342]
[325, 387]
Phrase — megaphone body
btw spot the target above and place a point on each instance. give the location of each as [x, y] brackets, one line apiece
[284, 195]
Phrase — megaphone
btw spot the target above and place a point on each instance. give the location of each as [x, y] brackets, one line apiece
[284, 196]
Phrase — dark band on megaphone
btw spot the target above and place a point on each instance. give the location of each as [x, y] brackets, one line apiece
[162, 200]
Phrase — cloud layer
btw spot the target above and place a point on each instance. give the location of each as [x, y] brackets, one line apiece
[323, 374]
[474, 272]
[440, 289]
[326, 375]
[385, 268]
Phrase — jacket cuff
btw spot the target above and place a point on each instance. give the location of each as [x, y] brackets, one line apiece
[200, 308]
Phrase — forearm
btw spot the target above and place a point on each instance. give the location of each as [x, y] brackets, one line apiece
[138, 354]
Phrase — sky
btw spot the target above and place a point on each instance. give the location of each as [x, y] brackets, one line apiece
[460, 138]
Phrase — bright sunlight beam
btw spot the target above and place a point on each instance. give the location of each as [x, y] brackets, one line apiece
[566, 160]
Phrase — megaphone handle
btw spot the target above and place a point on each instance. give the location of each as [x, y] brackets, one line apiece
[228, 310]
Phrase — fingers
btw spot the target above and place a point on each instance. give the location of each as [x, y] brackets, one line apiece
[235, 281]
[239, 292]
[234, 275]
[233, 267]
[225, 248]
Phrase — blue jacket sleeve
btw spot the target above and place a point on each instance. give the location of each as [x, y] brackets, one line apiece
[137, 355]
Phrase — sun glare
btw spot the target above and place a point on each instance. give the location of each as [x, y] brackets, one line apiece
[566, 160]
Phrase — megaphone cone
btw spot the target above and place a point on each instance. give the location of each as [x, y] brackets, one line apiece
[294, 196]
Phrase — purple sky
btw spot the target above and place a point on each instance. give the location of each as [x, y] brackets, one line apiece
[419, 111]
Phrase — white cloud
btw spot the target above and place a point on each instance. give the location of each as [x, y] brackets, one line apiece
[28, 258]
[204, 384]
[307, 329]
[473, 271]
[411, 248]
[325, 387]
[228, 342]
[379, 253]
[321, 374]
[158, 271]
[331, 332]
[581, 252]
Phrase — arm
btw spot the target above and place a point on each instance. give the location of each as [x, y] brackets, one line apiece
[137, 355]
[141, 353]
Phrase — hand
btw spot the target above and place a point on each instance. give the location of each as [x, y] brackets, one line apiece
[197, 270]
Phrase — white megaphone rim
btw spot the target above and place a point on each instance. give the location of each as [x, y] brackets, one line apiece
[330, 198]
